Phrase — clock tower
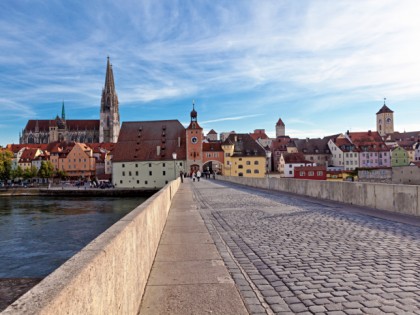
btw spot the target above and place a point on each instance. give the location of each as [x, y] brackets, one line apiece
[385, 121]
[194, 139]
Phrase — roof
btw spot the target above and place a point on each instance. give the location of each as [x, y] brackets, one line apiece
[79, 124]
[28, 155]
[292, 158]
[399, 136]
[280, 122]
[310, 168]
[15, 148]
[212, 146]
[244, 145]
[368, 141]
[313, 146]
[139, 141]
[259, 134]
[282, 143]
[384, 109]
[212, 132]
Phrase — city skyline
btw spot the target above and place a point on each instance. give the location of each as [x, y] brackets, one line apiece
[322, 67]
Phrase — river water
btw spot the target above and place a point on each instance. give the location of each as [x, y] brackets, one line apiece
[38, 234]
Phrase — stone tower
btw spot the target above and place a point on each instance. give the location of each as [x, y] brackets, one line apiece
[385, 121]
[109, 127]
[194, 139]
[280, 129]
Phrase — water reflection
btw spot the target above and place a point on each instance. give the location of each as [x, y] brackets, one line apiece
[38, 234]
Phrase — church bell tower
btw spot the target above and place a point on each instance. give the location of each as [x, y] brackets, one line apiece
[194, 138]
[109, 127]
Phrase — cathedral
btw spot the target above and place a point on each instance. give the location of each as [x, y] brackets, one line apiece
[106, 129]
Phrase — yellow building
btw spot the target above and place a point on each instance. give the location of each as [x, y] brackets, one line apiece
[243, 156]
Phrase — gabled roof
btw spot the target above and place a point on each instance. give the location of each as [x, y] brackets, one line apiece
[258, 135]
[280, 123]
[368, 141]
[15, 148]
[282, 143]
[244, 145]
[139, 141]
[28, 155]
[212, 132]
[384, 109]
[45, 124]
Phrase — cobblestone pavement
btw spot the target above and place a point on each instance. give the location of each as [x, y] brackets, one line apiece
[292, 255]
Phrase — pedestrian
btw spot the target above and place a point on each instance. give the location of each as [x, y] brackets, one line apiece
[181, 174]
[198, 175]
[193, 176]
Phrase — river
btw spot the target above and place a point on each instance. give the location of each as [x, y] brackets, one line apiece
[38, 234]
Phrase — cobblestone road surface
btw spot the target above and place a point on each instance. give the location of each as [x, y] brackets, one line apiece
[292, 255]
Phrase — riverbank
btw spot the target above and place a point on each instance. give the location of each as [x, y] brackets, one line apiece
[75, 191]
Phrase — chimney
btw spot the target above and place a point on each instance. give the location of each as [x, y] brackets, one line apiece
[236, 138]
[179, 142]
[158, 150]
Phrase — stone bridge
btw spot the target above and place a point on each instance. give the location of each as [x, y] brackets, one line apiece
[231, 249]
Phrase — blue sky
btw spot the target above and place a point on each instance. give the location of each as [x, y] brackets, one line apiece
[323, 66]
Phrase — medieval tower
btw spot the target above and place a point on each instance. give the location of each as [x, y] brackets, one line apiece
[109, 127]
[280, 128]
[194, 139]
[385, 121]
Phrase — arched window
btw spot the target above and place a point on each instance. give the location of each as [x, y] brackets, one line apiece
[31, 139]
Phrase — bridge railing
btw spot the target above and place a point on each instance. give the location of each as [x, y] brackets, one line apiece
[397, 198]
[109, 275]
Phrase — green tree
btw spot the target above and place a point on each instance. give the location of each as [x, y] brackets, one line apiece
[46, 170]
[6, 157]
[17, 173]
[61, 174]
[30, 172]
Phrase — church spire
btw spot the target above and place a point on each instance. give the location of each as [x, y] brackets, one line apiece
[109, 78]
[63, 112]
[109, 128]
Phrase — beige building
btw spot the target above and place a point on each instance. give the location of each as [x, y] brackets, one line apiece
[243, 157]
[149, 154]
[407, 175]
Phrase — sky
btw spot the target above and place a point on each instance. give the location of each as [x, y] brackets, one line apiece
[322, 66]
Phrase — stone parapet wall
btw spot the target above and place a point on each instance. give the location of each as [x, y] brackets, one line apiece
[404, 199]
[109, 275]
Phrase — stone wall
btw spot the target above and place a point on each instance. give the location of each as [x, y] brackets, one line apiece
[109, 275]
[403, 199]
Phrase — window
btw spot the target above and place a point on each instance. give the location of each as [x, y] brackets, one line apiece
[227, 154]
[240, 166]
[256, 171]
[137, 173]
[138, 182]
[123, 165]
[121, 181]
[302, 173]
[319, 173]
[145, 182]
[164, 173]
[123, 173]
[150, 164]
[150, 173]
[129, 173]
[137, 165]
[240, 159]
[248, 162]
[163, 164]
[290, 172]
[240, 174]
[166, 181]
[311, 173]
[248, 171]
[255, 162]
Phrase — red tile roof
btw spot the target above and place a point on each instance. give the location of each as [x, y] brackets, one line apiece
[80, 124]
[212, 132]
[212, 146]
[28, 155]
[138, 141]
[292, 158]
[15, 148]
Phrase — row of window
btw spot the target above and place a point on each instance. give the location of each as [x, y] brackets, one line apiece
[137, 173]
[214, 154]
[311, 173]
[150, 165]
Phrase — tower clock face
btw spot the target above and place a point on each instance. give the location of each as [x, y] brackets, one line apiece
[388, 120]
[194, 140]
